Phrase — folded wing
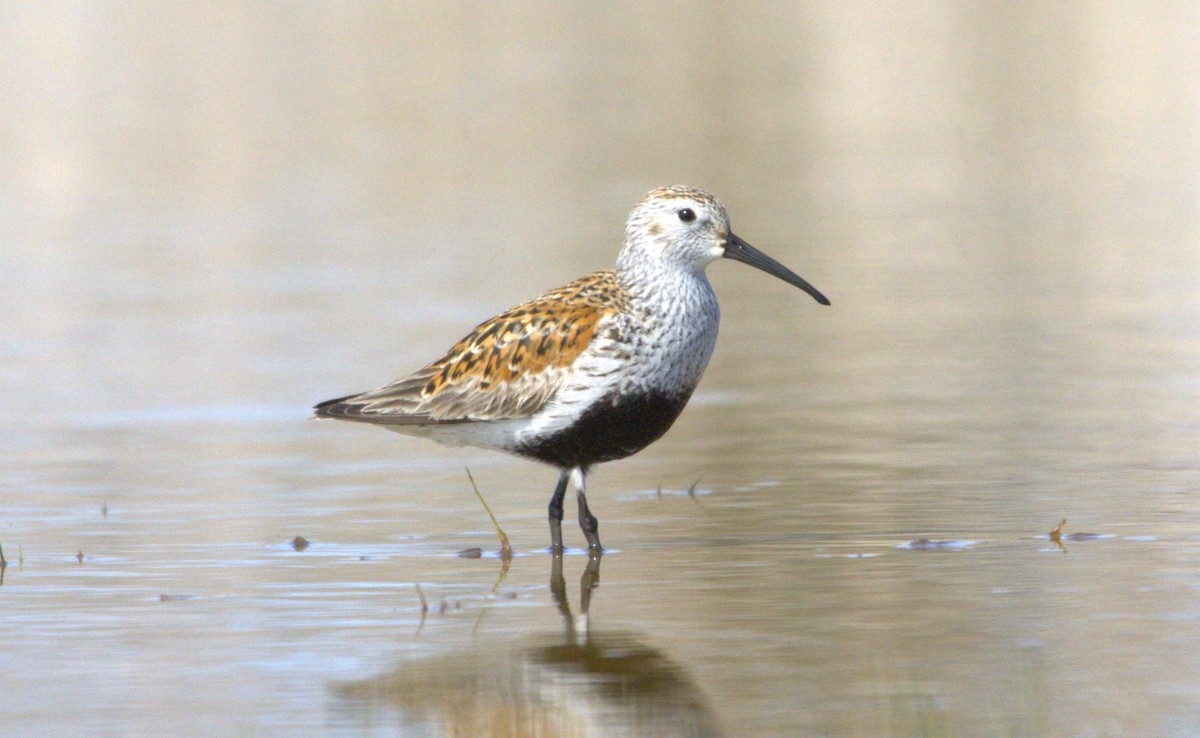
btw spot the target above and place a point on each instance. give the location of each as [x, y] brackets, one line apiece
[507, 367]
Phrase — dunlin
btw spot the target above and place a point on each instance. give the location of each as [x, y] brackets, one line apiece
[591, 372]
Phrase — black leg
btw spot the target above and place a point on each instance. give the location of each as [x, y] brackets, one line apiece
[556, 515]
[587, 521]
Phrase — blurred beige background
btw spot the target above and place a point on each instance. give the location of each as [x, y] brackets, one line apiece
[281, 117]
[448, 159]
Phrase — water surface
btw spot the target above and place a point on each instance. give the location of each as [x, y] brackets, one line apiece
[215, 219]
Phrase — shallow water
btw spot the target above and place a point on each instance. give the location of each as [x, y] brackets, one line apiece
[214, 222]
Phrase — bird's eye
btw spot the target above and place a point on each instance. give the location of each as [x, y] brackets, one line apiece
[687, 215]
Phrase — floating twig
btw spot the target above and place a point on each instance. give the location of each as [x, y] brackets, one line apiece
[424, 602]
[424, 608]
[506, 551]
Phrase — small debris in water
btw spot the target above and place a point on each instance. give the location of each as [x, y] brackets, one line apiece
[471, 553]
[661, 493]
[1057, 536]
[175, 598]
[923, 544]
[299, 543]
[104, 510]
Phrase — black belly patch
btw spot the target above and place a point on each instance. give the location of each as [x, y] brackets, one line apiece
[609, 430]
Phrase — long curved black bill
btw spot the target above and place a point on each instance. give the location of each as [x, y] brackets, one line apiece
[739, 250]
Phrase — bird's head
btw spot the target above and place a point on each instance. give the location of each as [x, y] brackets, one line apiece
[683, 228]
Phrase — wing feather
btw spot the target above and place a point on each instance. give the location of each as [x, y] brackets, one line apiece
[507, 367]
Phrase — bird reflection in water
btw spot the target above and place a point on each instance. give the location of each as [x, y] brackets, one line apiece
[584, 683]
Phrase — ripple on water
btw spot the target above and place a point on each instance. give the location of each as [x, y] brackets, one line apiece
[925, 544]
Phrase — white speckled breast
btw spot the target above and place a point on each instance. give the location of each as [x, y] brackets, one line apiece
[660, 346]
[670, 334]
